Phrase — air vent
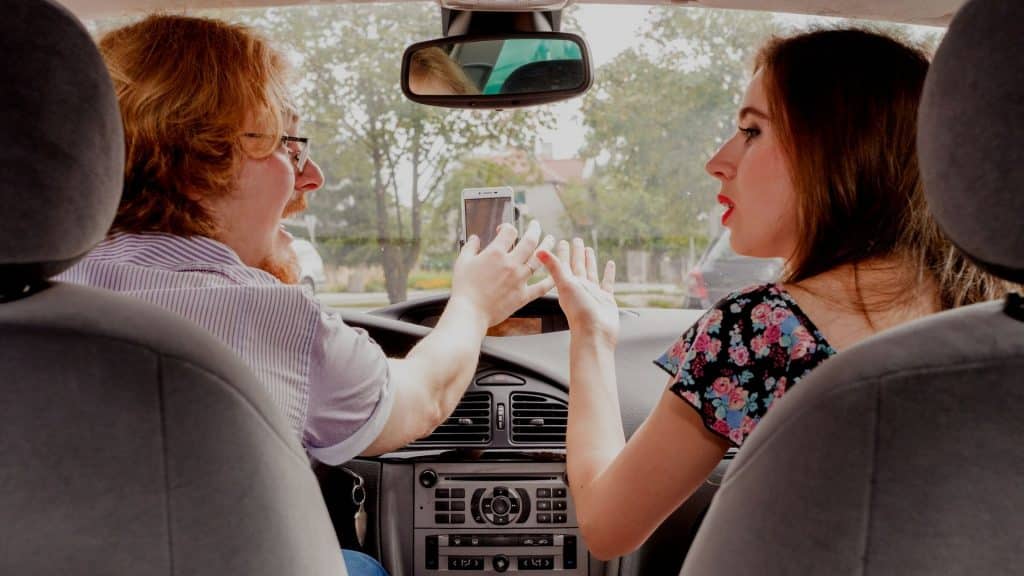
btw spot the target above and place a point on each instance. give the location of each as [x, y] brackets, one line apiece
[538, 419]
[470, 424]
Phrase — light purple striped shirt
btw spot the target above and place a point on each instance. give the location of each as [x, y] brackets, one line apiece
[329, 379]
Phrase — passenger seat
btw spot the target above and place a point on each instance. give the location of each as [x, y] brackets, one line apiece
[905, 454]
[132, 442]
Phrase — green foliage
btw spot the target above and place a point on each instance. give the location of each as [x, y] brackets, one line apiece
[385, 159]
[654, 116]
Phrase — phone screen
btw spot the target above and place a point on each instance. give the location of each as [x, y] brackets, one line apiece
[484, 215]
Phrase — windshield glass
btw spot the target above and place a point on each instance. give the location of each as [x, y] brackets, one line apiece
[621, 167]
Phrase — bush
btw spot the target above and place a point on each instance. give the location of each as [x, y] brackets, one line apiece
[430, 281]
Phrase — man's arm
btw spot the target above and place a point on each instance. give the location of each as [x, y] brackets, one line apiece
[487, 287]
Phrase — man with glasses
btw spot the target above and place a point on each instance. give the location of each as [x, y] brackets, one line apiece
[213, 166]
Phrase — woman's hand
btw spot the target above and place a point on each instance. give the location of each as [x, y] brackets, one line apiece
[589, 306]
[494, 281]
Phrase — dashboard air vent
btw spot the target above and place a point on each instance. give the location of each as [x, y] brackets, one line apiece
[470, 424]
[538, 419]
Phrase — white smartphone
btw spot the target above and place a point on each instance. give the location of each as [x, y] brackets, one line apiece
[483, 210]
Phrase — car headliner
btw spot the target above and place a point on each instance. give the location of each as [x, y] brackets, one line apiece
[929, 12]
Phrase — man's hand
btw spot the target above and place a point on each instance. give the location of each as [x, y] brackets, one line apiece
[590, 307]
[494, 281]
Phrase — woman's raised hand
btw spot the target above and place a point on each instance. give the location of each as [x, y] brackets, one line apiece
[588, 302]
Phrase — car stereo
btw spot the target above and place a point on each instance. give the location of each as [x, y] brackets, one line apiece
[487, 518]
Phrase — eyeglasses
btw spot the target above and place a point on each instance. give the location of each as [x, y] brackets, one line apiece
[298, 148]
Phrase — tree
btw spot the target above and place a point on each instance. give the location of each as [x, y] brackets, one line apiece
[656, 113]
[385, 158]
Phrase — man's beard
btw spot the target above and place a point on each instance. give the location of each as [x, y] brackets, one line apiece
[284, 264]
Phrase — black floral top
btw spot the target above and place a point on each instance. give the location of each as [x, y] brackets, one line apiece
[741, 355]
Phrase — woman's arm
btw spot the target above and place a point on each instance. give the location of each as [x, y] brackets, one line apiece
[622, 491]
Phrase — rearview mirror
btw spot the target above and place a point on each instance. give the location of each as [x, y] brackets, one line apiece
[496, 71]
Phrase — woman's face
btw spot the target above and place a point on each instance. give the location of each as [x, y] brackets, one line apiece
[757, 190]
[268, 191]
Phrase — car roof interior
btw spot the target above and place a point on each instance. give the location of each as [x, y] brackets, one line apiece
[933, 12]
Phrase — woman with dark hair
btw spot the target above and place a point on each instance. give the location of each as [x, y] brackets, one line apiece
[822, 171]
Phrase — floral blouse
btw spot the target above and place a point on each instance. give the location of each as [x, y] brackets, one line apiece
[741, 355]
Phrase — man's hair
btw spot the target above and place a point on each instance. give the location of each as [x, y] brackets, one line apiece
[845, 106]
[187, 88]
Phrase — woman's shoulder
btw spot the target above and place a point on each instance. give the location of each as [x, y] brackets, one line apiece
[764, 298]
[741, 356]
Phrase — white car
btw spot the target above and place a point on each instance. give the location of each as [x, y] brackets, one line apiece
[312, 264]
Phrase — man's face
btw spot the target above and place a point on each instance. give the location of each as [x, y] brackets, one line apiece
[268, 190]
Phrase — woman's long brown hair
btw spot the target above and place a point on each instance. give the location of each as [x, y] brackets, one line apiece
[845, 106]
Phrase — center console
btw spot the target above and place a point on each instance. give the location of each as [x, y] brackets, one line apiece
[487, 518]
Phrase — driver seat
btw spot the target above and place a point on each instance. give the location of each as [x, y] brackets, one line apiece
[131, 440]
[905, 454]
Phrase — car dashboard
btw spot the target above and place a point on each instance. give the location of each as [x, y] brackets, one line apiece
[486, 492]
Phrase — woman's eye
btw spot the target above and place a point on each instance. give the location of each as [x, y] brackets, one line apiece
[749, 133]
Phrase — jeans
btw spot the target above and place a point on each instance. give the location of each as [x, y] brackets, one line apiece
[359, 564]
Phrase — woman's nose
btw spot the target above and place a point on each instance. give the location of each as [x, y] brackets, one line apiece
[720, 165]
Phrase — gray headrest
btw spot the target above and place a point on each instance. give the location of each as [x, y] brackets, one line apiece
[61, 169]
[969, 137]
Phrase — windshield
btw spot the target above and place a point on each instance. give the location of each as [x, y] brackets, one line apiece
[621, 166]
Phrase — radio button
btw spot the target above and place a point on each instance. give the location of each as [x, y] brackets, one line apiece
[487, 506]
[458, 518]
[441, 492]
[569, 553]
[501, 505]
[458, 492]
[500, 563]
[559, 493]
[524, 498]
[500, 520]
[544, 505]
[465, 563]
[543, 492]
[559, 505]
[500, 491]
[431, 560]
[460, 506]
[441, 518]
[537, 563]
[560, 518]
[441, 506]
[544, 518]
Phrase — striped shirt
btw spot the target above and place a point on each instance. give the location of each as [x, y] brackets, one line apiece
[329, 379]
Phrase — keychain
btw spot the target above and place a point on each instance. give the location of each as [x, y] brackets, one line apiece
[358, 500]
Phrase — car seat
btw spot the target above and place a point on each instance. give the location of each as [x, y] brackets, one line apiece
[131, 440]
[544, 77]
[905, 454]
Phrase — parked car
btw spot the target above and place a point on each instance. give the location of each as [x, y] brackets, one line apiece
[721, 271]
[312, 264]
